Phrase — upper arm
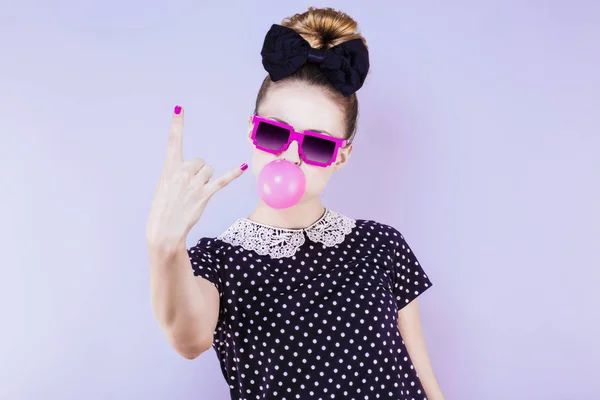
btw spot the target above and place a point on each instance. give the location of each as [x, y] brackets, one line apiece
[210, 296]
[205, 266]
[409, 320]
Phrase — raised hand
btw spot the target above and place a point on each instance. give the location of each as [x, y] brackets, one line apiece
[182, 193]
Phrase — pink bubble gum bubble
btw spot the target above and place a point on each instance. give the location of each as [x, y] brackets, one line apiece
[281, 184]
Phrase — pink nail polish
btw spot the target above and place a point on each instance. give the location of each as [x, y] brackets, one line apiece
[177, 110]
[244, 167]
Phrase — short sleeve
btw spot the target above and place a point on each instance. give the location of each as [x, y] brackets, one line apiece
[410, 280]
[205, 263]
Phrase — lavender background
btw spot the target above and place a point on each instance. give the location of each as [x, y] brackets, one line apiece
[479, 140]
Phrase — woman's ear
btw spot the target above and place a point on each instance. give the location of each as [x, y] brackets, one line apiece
[250, 126]
[343, 156]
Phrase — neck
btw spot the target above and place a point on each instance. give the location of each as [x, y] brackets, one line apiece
[299, 216]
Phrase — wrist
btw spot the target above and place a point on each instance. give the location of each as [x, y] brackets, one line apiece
[166, 250]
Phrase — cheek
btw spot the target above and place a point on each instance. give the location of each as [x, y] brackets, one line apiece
[316, 178]
[260, 159]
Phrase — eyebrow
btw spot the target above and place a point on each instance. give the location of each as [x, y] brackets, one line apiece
[313, 130]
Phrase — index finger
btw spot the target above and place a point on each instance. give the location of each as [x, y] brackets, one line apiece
[175, 142]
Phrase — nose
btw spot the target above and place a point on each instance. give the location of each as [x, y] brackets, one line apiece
[292, 153]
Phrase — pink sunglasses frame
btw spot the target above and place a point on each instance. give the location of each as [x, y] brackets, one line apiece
[298, 137]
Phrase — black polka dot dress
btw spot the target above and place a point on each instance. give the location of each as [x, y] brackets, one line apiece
[313, 313]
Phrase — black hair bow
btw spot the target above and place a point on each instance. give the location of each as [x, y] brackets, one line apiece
[285, 52]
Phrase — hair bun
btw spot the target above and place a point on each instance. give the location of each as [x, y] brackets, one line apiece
[324, 28]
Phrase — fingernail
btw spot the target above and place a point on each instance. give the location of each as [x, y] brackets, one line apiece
[177, 109]
[244, 166]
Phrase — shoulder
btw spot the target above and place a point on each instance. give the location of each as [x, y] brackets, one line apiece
[399, 251]
[208, 246]
[381, 235]
[379, 229]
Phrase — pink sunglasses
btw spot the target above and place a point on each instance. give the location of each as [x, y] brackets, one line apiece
[314, 148]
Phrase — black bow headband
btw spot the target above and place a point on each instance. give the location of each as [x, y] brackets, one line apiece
[285, 52]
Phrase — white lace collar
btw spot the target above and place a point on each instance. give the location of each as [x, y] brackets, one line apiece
[330, 230]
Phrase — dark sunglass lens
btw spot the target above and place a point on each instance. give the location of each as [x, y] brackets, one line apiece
[270, 136]
[317, 149]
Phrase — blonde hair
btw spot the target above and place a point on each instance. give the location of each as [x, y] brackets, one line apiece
[322, 28]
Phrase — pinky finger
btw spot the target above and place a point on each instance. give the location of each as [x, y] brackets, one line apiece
[224, 180]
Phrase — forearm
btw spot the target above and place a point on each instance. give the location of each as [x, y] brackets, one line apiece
[409, 323]
[429, 381]
[178, 302]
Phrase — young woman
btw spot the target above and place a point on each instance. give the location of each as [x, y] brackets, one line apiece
[300, 302]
